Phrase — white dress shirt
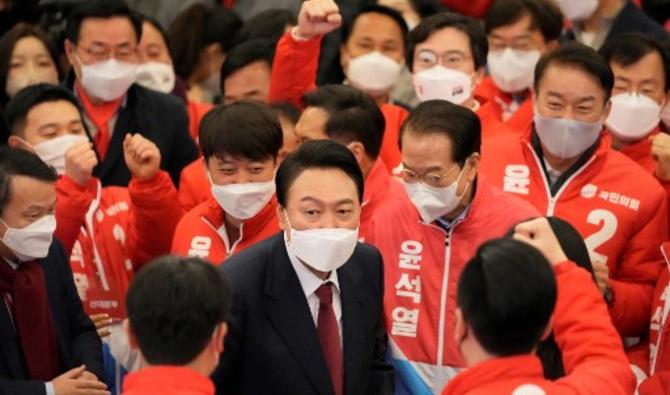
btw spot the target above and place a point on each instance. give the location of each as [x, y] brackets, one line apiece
[310, 283]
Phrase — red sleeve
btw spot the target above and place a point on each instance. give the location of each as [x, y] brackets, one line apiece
[471, 8]
[154, 214]
[294, 69]
[71, 208]
[593, 354]
[635, 277]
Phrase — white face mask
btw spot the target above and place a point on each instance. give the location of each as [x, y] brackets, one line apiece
[243, 201]
[16, 83]
[632, 116]
[439, 82]
[566, 138]
[323, 249]
[157, 76]
[373, 73]
[107, 80]
[433, 202]
[33, 241]
[512, 71]
[52, 152]
[577, 10]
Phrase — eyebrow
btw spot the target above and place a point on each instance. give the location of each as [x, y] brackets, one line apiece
[337, 203]
[430, 169]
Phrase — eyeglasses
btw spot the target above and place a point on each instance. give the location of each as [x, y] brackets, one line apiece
[99, 53]
[431, 178]
[450, 59]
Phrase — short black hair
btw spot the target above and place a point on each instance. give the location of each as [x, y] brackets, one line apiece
[19, 162]
[396, 16]
[459, 124]
[577, 56]
[269, 24]
[479, 44]
[243, 130]
[8, 43]
[20, 105]
[258, 50]
[507, 294]
[174, 304]
[628, 48]
[317, 154]
[352, 116]
[545, 16]
[101, 9]
[195, 28]
[287, 110]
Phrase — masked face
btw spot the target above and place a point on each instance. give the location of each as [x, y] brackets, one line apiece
[32, 241]
[30, 64]
[157, 76]
[577, 10]
[373, 72]
[632, 116]
[323, 249]
[108, 80]
[442, 83]
[512, 71]
[566, 138]
[434, 202]
[243, 201]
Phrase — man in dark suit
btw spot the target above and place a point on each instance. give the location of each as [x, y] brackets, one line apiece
[101, 45]
[596, 22]
[307, 304]
[48, 345]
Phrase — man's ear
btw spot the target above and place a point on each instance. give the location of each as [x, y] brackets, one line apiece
[132, 340]
[460, 327]
[548, 330]
[281, 219]
[219, 337]
[15, 142]
[551, 45]
[69, 51]
[356, 148]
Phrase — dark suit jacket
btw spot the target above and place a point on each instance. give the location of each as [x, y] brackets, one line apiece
[78, 340]
[630, 19]
[160, 118]
[272, 346]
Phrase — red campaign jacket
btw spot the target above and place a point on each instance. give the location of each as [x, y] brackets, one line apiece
[194, 187]
[422, 264]
[640, 153]
[380, 189]
[294, 72]
[113, 231]
[196, 111]
[659, 335]
[492, 108]
[167, 380]
[202, 232]
[592, 351]
[619, 209]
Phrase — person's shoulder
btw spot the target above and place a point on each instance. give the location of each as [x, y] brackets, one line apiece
[251, 263]
[629, 173]
[159, 101]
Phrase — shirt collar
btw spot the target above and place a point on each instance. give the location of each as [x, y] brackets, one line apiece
[308, 280]
[448, 224]
[13, 264]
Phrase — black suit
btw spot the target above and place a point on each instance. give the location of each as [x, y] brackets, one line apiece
[160, 118]
[78, 339]
[630, 19]
[272, 346]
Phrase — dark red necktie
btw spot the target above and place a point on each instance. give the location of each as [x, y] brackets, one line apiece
[329, 336]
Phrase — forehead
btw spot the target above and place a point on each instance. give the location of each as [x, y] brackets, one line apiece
[582, 84]
[522, 26]
[29, 46]
[112, 31]
[376, 24]
[151, 35]
[650, 65]
[426, 150]
[60, 111]
[326, 185]
[28, 191]
[446, 39]
[254, 72]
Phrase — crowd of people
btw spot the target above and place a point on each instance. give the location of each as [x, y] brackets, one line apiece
[392, 197]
